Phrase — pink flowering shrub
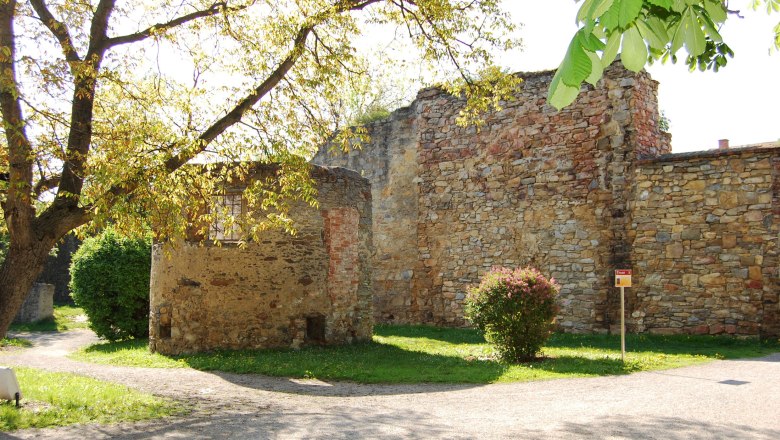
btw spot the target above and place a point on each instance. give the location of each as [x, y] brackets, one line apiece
[515, 309]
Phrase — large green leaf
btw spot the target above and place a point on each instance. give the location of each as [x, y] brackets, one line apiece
[611, 49]
[610, 18]
[593, 9]
[591, 42]
[710, 27]
[715, 10]
[629, 11]
[576, 66]
[649, 34]
[560, 95]
[596, 71]
[634, 51]
[679, 5]
[693, 36]
[666, 4]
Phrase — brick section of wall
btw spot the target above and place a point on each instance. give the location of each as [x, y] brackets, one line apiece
[341, 243]
[266, 294]
[705, 248]
[388, 160]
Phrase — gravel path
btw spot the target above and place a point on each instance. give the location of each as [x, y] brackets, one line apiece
[724, 399]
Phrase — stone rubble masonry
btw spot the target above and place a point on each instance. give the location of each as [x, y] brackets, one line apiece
[559, 191]
[38, 305]
[282, 291]
[705, 243]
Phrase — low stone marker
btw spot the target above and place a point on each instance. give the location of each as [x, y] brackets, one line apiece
[39, 304]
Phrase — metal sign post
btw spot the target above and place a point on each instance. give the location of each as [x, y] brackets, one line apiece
[623, 280]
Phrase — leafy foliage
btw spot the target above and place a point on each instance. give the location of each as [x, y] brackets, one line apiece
[515, 309]
[104, 103]
[110, 281]
[642, 31]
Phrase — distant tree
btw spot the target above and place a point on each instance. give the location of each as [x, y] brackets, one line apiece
[104, 102]
[642, 31]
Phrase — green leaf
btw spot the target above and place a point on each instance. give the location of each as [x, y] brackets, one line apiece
[576, 66]
[709, 26]
[611, 49]
[596, 71]
[653, 39]
[591, 42]
[629, 11]
[610, 18]
[679, 5]
[560, 95]
[715, 10]
[693, 36]
[633, 54]
[593, 9]
[666, 4]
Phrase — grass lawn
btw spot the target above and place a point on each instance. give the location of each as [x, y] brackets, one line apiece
[65, 318]
[414, 354]
[58, 399]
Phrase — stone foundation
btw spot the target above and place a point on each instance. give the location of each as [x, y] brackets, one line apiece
[282, 291]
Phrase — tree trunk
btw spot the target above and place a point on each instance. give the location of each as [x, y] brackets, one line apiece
[18, 273]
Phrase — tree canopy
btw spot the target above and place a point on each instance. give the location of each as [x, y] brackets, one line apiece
[105, 103]
[643, 31]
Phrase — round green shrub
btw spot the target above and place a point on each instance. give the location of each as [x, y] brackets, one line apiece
[515, 309]
[110, 281]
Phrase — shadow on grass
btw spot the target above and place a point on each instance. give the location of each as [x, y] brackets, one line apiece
[45, 325]
[444, 334]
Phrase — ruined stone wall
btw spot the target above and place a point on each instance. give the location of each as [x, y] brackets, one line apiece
[284, 290]
[705, 243]
[532, 186]
[388, 161]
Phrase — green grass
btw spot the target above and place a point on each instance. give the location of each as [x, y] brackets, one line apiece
[415, 354]
[65, 318]
[15, 342]
[58, 399]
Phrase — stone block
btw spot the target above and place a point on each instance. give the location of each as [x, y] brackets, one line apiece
[38, 305]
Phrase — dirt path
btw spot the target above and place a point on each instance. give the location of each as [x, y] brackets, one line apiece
[694, 402]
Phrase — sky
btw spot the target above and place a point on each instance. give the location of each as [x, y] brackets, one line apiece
[741, 102]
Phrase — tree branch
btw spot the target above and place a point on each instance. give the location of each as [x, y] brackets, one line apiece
[82, 109]
[17, 207]
[45, 185]
[214, 9]
[58, 29]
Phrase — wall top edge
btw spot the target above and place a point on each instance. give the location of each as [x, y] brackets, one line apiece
[707, 154]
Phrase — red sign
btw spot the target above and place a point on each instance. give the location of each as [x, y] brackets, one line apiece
[623, 278]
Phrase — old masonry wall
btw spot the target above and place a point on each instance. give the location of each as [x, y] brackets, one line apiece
[282, 291]
[565, 192]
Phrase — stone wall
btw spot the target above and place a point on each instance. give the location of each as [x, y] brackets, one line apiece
[705, 243]
[577, 193]
[57, 269]
[284, 290]
[38, 305]
[533, 186]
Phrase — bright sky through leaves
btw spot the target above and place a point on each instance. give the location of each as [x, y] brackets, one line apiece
[738, 103]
